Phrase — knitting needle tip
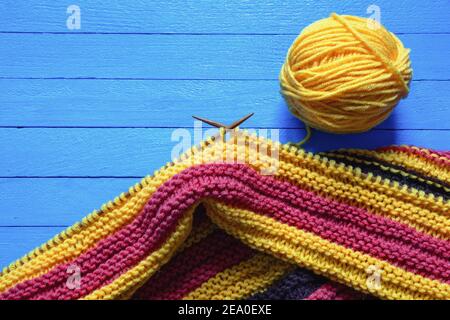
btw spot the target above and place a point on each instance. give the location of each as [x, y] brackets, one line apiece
[219, 125]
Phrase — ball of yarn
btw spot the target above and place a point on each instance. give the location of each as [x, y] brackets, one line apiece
[345, 74]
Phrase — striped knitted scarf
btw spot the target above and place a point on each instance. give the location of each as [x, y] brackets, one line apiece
[349, 224]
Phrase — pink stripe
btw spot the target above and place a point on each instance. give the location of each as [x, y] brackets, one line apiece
[193, 266]
[445, 154]
[335, 291]
[240, 185]
[416, 152]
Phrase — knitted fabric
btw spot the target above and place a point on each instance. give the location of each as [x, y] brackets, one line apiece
[317, 228]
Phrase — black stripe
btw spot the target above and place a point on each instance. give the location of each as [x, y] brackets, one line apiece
[296, 285]
[377, 170]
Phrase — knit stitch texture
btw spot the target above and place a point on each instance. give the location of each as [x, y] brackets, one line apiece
[324, 226]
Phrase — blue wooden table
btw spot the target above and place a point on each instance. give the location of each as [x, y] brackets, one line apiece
[84, 113]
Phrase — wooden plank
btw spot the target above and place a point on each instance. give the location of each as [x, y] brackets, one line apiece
[50, 202]
[226, 16]
[179, 56]
[170, 103]
[138, 152]
[18, 241]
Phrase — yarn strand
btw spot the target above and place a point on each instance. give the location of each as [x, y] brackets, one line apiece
[304, 140]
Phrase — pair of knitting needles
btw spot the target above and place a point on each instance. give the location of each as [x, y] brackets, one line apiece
[220, 125]
[240, 121]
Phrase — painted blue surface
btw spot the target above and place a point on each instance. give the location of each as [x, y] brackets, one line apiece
[85, 113]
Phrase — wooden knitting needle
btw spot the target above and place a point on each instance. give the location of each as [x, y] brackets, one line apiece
[210, 122]
[220, 125]
[240, 121]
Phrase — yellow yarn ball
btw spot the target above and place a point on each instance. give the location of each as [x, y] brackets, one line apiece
[345, 74]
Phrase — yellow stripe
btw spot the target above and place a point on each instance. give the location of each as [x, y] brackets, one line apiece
[198, 233]
[430, 153]
[322, 256]
[130, 281]
[413, 162]
[386, 168]
[241, 280]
